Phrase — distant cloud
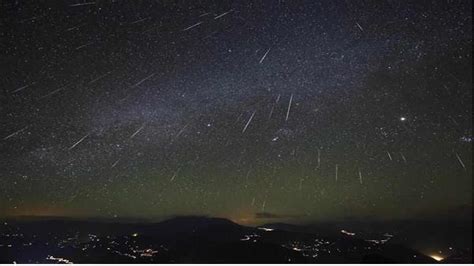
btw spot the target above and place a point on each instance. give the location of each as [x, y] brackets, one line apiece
[267, 215]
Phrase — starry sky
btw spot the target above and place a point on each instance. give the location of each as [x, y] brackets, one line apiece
[260, 110]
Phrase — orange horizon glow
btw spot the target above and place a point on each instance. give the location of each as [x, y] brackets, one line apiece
[43, 211]
[436, 257]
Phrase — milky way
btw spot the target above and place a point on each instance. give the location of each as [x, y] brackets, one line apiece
[305, 110]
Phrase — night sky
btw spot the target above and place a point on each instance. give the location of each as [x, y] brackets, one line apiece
[296, 110]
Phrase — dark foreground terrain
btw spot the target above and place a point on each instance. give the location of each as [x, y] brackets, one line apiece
[210, 240]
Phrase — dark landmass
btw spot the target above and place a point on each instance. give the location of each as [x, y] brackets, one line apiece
[210, 240]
